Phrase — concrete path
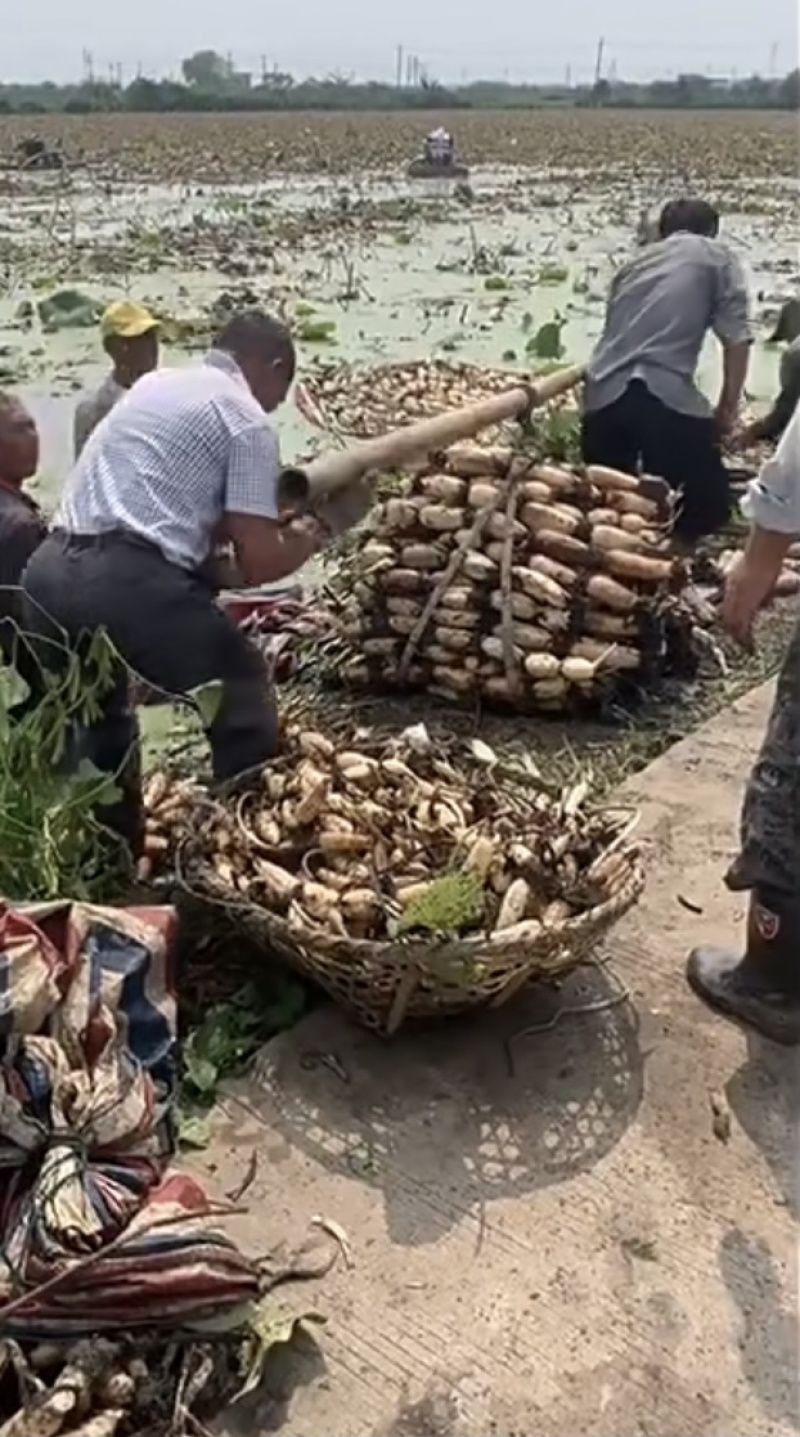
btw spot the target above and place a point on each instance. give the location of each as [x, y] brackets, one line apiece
[549, 1236]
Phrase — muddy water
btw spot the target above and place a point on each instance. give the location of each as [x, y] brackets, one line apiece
[418, 286]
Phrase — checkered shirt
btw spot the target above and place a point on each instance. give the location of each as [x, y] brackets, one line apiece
[179, 450]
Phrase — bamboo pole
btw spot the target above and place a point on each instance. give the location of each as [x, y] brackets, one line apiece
[328, 474]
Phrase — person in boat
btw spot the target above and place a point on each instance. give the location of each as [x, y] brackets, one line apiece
[439, 147]
[761, 987]
[184, 461]
[642, 409]
[22, 529]
[773, 424]
[130, 339]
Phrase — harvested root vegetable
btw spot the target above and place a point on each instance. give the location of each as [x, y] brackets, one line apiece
[542, 666]
[578, 670]
[556, 517]
[624, 565]
[441, 518]
[605, 537]
[411, 835]
[481, 493]
[515, 901]
[400, 513]
[443, 488]
[611, 594]
[611, 480]
[525, 559]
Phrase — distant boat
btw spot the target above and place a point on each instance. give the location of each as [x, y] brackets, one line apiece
[423, 168]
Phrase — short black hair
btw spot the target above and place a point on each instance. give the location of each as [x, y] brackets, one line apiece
[696, 217]
[253, 334]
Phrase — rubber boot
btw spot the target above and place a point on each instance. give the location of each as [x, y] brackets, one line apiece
[762, 989]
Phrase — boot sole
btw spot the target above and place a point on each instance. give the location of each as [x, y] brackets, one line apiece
[785, 1035]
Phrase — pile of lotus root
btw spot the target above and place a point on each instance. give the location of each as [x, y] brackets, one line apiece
[496, 576]
[388, 836]
[366, 402]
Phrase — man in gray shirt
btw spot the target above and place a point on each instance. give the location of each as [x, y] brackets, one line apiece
[130, 339]
[642, 409]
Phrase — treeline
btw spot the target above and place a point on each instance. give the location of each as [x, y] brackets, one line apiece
[210, 84]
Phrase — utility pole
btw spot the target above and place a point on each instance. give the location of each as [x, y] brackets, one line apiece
[568, 77]
[773, 59]
[598, 68]
[399, 68]
[263, 69]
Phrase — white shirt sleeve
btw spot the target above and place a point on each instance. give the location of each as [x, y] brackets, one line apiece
[772, 500]
[254, 468]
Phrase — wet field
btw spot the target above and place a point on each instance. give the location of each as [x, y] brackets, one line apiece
[368, 267]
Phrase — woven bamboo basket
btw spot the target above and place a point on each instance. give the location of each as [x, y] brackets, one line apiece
[384, 984]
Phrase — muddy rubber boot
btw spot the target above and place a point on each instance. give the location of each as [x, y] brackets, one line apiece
[762, 989]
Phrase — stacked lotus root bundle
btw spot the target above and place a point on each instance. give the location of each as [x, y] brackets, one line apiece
[537, 586]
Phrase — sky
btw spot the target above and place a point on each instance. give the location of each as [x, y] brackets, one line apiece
[454, 39]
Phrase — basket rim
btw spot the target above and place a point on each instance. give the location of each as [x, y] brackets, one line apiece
[480, 946]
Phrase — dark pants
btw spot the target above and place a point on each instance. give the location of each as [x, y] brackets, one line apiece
[638, 431]
[769, 855]
[166, 626]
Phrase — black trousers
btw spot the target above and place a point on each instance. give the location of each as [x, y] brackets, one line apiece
[639, 431]
[166, 626]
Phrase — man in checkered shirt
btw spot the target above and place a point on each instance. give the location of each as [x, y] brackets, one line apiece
[185, 460]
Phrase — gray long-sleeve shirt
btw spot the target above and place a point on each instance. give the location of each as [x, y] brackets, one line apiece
[93, 407]
[660, 307]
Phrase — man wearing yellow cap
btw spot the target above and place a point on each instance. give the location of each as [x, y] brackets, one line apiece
[130, 339]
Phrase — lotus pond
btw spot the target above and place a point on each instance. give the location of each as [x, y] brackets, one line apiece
[198, 215]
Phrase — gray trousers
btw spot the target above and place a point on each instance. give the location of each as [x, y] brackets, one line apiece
[167, 628]
[769, 857]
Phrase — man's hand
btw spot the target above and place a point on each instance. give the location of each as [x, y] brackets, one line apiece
[314, 529]
[725, 418]
[748, 587]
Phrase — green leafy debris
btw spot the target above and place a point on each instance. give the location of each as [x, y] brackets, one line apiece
[451, 904]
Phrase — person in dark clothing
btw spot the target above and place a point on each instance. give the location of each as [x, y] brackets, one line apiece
[773, 424]
[22, 529]
[184, 461]
[759, 985]
[642, 409]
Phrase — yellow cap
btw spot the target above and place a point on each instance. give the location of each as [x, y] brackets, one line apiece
[126, 320]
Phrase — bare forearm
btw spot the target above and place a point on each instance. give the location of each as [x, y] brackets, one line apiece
[765, 551]
[735, 362]
[289, 553]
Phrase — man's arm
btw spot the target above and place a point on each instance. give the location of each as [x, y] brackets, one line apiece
[772, 504]
[730, 322]
[735, 364]
[266, 549]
